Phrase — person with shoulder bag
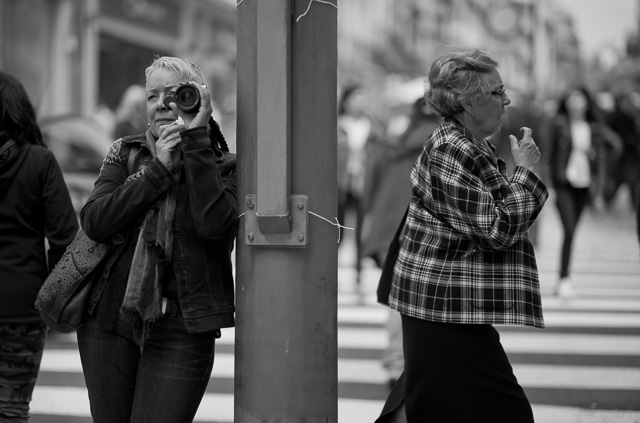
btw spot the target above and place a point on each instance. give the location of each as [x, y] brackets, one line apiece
[148, 344]
[35, 206]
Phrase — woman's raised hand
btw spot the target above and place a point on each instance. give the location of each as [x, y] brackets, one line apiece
[525, 151]
[168, 145]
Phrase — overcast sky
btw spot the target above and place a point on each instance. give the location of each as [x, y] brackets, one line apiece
[602, 23]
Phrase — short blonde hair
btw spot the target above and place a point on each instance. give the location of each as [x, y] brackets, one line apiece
[185, 69]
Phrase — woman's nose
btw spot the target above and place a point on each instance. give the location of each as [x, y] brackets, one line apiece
[160, 102]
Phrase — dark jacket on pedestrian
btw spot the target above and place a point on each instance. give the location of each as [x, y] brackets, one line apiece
[200, 275]
[638, 211]
[561, 146]
[387, 188]
[34, 205]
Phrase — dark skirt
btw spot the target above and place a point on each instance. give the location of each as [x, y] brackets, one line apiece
[457, 374]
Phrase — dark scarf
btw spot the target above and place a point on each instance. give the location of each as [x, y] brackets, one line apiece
[142, 303]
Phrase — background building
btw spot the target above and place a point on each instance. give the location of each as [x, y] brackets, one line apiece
[78, 56]
[395, 41]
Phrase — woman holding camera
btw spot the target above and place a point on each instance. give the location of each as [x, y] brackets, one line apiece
[169, 197]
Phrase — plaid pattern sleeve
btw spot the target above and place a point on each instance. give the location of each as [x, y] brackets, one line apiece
[466, 255]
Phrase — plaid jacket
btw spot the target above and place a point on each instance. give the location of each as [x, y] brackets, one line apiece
[466, 256]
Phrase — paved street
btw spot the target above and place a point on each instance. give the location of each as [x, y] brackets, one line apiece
[585, 367]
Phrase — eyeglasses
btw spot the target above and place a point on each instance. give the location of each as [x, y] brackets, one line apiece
[501, 92]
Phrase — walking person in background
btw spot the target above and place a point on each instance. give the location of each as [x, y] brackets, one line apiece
[577, 149]
[34, 205]
[358, 128]
[147, 346]
[387, 191]
[466, 261]
[131, 114]
[624, 169]
[638, 212]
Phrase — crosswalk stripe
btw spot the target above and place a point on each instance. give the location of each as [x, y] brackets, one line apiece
[73, 401]
[531, 341]
[379, 315]
[591, 304]
[558, 343]
[549, 376]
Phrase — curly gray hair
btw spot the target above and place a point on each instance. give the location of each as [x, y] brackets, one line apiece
[457, 76]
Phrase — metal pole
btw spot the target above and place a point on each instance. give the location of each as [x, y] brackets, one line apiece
[286, 276]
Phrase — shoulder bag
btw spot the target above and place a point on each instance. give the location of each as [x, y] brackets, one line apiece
[386, 277]
[63, 297]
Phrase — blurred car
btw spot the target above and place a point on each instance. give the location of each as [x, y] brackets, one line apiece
[79, 144]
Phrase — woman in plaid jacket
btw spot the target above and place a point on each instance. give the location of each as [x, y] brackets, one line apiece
[466, 261]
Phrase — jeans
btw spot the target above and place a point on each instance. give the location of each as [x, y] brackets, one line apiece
[21, 346]
[163, 383]
[570, 202]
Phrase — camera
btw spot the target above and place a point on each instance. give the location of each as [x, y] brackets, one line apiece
[187, 98]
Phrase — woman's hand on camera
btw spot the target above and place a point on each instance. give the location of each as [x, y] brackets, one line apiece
[201, 117]
[525, 151]
[168, 145]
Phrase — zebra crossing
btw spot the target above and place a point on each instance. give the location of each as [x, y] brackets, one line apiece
[584, 367]
[586, 363]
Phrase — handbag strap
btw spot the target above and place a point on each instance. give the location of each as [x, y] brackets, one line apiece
[384, 284]
[133, 152]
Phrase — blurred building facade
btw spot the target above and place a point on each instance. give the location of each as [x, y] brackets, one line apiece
[623, 68]
[79, 55]
[75, 56]
[533, 40]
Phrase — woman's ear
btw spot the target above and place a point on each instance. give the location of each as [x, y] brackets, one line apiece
[468, 107]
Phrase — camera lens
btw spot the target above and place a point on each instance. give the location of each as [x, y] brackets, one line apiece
[188, 98]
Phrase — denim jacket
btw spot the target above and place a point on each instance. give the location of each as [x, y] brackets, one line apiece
[204, 227]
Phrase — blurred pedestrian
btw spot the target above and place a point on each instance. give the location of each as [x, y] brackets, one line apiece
[638, 211]
[358, 128]
[34, 206]
[387, 186]
[105, 117]
[578, 144]
[131, 114]
[466, 261]
[147, 345]
[387, 191]
[624, 170]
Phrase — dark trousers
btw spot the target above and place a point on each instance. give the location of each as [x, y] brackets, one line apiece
[459, 374]
[347, 201]
[162, 384]
[571, 203]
